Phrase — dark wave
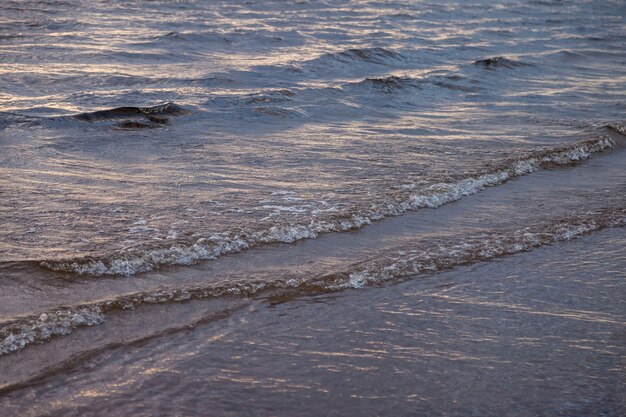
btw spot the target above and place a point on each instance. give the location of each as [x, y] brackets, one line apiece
[268, 104]
[271, 96]
[397, 83]
[124, 117]
[279, 112]
[252, 38]
[10, 119]
[389, 84]
[380, 56]
[499, 62]
[570, 56]
[394, 83]
[156, 114]
[133, 117]
[456, 82]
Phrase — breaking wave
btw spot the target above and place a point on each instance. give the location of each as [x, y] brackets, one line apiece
[480, 248]
[212, 247]
[618, 127]
[396, 265]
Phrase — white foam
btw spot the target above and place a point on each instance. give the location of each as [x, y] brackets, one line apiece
[401, 263]
[292, 209]
[434, 196]
[60, 322]
[141, 229]
[478, 249]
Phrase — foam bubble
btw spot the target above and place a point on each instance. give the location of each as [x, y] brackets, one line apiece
[432, 197]
[47, 325]
[398, 264]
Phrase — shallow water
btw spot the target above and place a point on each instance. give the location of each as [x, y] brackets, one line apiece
[540, 333]
[164, 166]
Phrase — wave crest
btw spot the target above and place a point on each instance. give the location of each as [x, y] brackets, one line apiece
[499, 62]
[203, 249]
[154, 113]
[377, 56]
[396, 265]
[389, 84]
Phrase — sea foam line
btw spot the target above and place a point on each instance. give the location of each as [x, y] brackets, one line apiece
[210, 248]
[16, 335]
[475, 250]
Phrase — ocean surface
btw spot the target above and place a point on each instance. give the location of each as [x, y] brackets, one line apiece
[312, 208]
